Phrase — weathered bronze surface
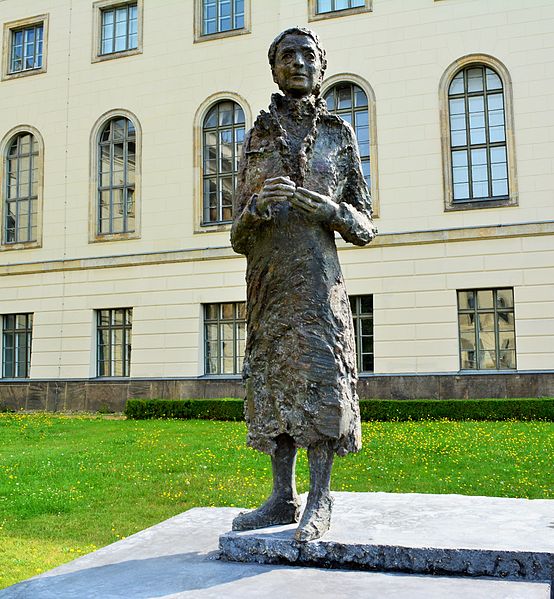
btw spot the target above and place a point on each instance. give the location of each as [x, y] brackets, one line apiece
[300, 180]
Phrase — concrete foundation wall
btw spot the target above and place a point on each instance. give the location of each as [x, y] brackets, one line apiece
[110, 396]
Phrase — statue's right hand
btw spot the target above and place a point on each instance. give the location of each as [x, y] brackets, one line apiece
[278, 189]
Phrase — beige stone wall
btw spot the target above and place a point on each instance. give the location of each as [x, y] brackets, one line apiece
[414, 291]
[401, 48]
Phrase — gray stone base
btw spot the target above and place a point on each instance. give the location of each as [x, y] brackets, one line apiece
[416, 533]
[178, 559]
[110, 395]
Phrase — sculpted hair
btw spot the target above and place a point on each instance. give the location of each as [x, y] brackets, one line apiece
[297, 31]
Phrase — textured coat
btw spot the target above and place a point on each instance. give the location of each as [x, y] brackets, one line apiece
[300, 363]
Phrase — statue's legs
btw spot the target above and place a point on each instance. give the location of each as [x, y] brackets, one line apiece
[317, 515]
[283, 506]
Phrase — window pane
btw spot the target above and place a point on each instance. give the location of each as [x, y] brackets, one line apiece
[458, 137]
[474, 85]
[239, 115]
[499, 171]
[366, 304]
[467, 341]
[466, 300]
[223, 133]
[507, 340]
[493, 80]
[466, 323]
[468, 360]
[484, 299]
[339, 101]
[498, 154]
[344, 97]
[108, 17]
[461, 191]
[497, 134]
[241, 310]
[324, 6]
[486, 322]
[360, 97]
[457, 85]
[487, 360]
[504, 298]
[116, 177]
[367, 326]
[367, 363]
[500, 187]
[227, 311]
[479, 157]
[460, 174]
[226, 113]
[16, 345]
[224, 337]
[114, 339]
[457, 107]
[475, 80]
[507, 359]
[495, 102]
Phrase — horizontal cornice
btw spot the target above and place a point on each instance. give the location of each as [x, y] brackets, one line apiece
[529, 229]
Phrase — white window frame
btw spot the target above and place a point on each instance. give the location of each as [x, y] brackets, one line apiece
[12, 26]
[98, 8]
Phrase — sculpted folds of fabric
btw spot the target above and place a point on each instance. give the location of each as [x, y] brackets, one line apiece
[300, 363]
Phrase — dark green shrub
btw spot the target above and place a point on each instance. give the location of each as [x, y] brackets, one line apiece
[371, 409]
[457, 409]
[206, 409]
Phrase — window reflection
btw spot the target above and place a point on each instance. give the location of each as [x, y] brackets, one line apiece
[486, 329]
[223, 135]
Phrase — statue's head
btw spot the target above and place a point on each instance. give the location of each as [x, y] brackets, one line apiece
[297, 62]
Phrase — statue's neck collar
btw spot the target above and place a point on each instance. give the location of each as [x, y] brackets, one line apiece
[298, 108]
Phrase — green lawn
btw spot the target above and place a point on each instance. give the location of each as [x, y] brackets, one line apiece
[69, 485]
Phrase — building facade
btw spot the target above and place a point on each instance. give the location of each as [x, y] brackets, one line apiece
[121, 126]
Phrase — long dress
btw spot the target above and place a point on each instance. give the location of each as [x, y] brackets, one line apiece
[300, 363]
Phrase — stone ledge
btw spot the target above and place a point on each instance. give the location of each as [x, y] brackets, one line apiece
[416, 533]
[176, 559]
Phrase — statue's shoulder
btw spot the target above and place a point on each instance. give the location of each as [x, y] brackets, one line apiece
[261, 131]
[338, 128]
[336, 122]
[332, 120]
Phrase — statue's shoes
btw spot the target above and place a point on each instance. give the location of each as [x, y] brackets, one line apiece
[273, 512]
[316, 519]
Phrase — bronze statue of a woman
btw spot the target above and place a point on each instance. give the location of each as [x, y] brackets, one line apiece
[300, 181]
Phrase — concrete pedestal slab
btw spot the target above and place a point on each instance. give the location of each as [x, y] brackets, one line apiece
[178, 559]
[416, 533]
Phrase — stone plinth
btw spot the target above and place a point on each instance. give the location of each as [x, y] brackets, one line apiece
[178, 559]
[416, 533]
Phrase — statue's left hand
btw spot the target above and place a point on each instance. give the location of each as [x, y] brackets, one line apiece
[320, 207]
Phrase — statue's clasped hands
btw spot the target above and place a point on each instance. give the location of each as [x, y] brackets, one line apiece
[282, 189]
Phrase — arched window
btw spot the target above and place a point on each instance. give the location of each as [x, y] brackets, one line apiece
[478, 146]
[222, 138]
[21, 189]
[117, 151]
[350, 102]
[478, 135]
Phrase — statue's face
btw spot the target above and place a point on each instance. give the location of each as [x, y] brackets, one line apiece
[297, 69]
